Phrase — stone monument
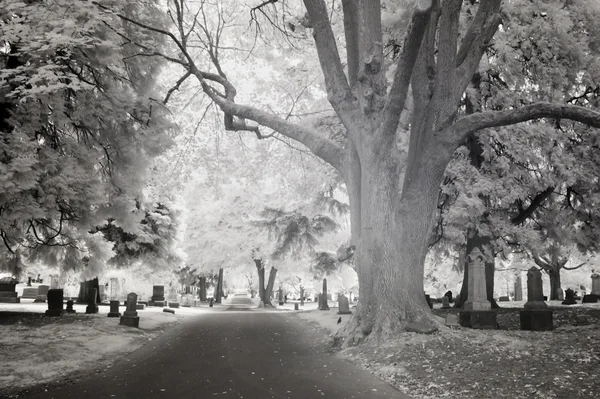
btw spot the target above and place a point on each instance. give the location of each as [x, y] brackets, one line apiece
[560, 294]
[536, 316]
[476, 312]
[596, 284]
[8, 293]
[42, 293]
[280, 296]
[30, 293]
[158, 296]
[55, 302]
[445, 302]
[518, 289]
[323, 305]
[70, 307]
[92, 307]
[130, 317]
[343, 305]
[173, 300]
[569, 297]
[114, 288]
[114, 309]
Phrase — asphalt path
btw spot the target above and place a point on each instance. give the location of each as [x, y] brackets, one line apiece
[236, 351]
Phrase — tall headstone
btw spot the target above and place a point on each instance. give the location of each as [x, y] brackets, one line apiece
[92, 306]
[535, 293]
[114, 309]
[536, 316]
[130, 317]
[158, 296]
[560, 294]
[114, 288]
[476, 312]
[343, 305]
[323, 305]
[569, 297]
[55, 302]
[518, 289]
[42, 293]
[280, 296]
[8, 293]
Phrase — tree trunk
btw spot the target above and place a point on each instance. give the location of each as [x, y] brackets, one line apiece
[202, 293]
[555, 284]
[301, 296]
[85, 289]
[269, 289]
[219, 287]
[475, 241]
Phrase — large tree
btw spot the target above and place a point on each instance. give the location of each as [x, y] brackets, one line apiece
[393, 188]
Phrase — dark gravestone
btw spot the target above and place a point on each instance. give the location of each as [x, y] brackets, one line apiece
[445, 302]
[536, 316]
[70, 307]
[590, 298]
[114, 309]
[478, 319]
[429, 303]
[296, 306]
[518, 289]
[30, 293]
[55, 302]
[92, 307]
[130, 317]
[280, 296]
[569, 297]
[503, 299]
[165, 310]
[158, 296]
[343, 305]
[449, 295]
[8, 293]
[141, 306]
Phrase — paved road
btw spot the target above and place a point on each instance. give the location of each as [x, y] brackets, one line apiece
[234, 352]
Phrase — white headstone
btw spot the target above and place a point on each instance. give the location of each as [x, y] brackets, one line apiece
[477, 295]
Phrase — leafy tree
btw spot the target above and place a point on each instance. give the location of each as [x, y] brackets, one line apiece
[77, 128]
[393, 171]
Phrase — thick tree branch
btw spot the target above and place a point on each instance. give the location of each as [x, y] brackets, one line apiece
[535, 203]
[575, 267]
[338, 90]
[351, 26]
[470, 124]
[404, 70]
[322, 147]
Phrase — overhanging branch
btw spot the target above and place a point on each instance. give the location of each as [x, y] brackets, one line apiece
[470, 124]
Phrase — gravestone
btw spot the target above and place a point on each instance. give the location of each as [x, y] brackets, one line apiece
[8, 293]
[343, 305]
[504, 299]
[173, 300]
[114, 309]
[323, 305]
[596, 284]
[560, 295]
[477, 311]
[445, 302]
[42, 293]
[536, 316]
[158, 296]
[449, 295]
[569, 297]
[92, 307]
[451, 320]
[70, 307]
[30, 293]
[296, 306]
[55, 302]
[280, 296]
[102, 293]
[130, 317]
[114, 288]
[518, 289]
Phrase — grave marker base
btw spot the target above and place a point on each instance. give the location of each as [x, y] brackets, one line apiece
[479, 319]
[130, 321]
[90, 309]
[174, 305]
[55, 312]
[536, 320]
[590, 298]
[114, 314]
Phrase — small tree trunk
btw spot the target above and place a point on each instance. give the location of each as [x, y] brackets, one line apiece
[301, 296]
[555, 284]
[219, 287]
[260, 269]
[202, 293]
[269, 289]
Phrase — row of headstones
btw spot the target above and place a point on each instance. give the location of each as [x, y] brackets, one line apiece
[343, 302]
[130, 316]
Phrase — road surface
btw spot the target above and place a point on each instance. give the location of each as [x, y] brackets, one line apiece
[234, 352]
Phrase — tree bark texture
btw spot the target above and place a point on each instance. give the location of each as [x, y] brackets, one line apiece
[219, 287]
[202, 291]
[554, 283]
